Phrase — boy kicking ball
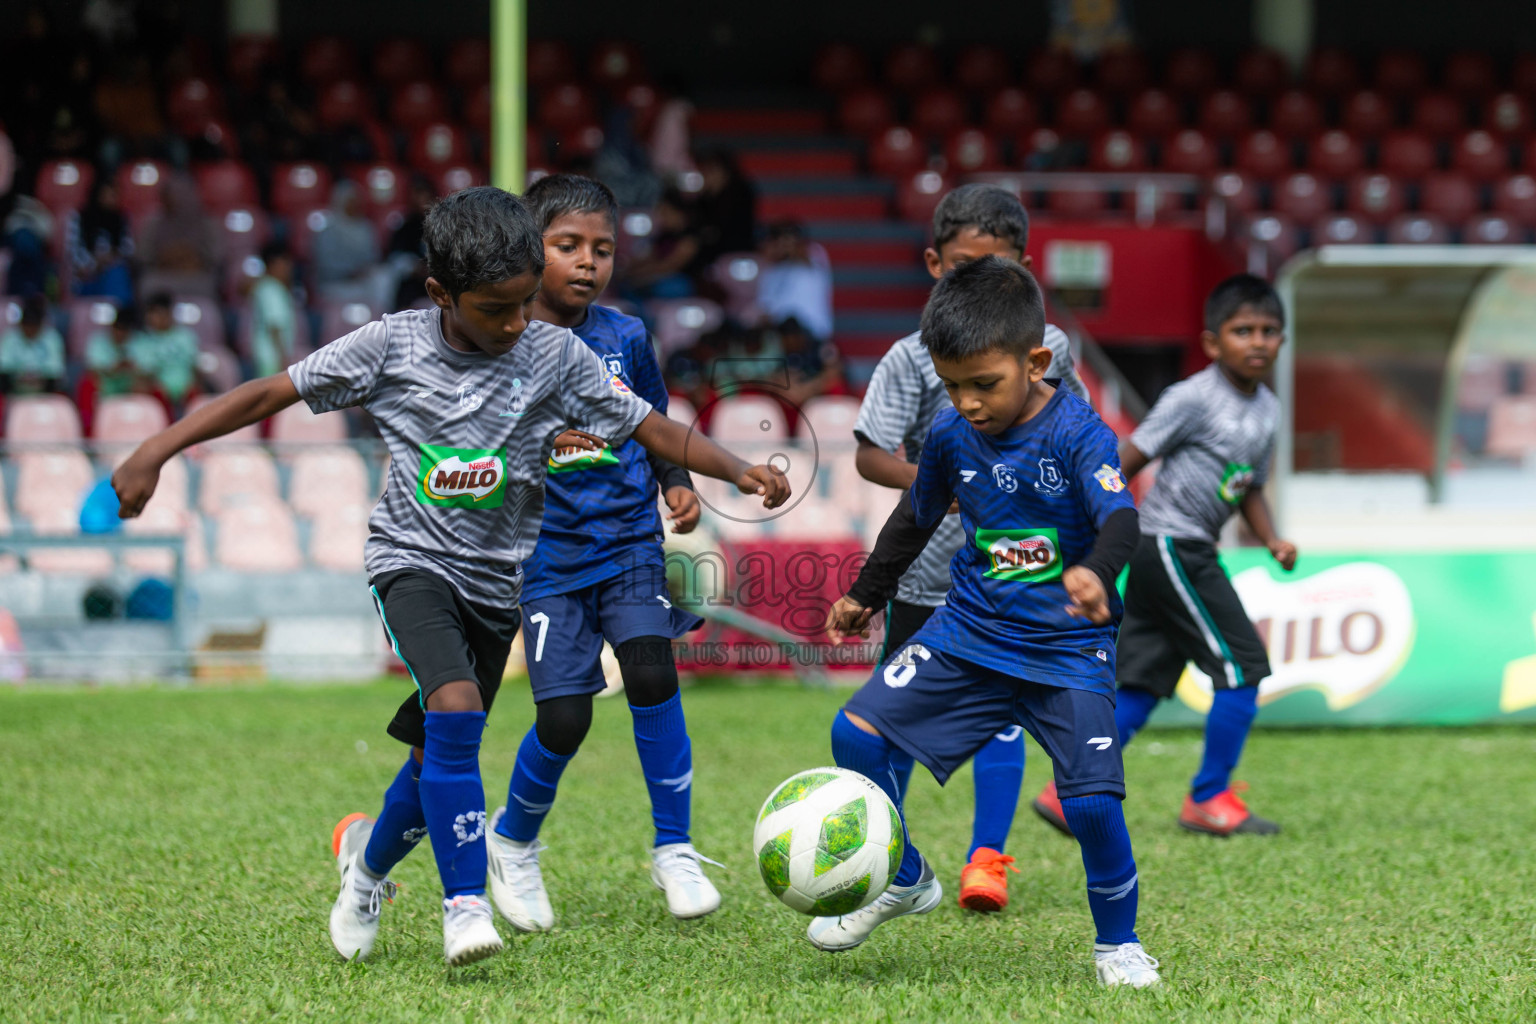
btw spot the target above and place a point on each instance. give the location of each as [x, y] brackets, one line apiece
[468, 396]
[1215, 433]
[1027, 635]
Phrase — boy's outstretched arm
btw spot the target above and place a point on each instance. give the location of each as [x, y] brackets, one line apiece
[694, 452]
[251, 402]
[1255, 512]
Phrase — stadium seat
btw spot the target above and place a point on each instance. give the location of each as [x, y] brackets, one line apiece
[415, 104]
[1077, 199]
[435, 145]
[62, 520]
[971, 151]
[1400, 73]
[225, 185]
[235, 439]
[191, 103]
[938, 112]
[615, 64]
[579, 143]
[679, 323]
[1512, 426]
[831, 417]
[1190, 152]
[1051, 70]
[1335, 154]
[681, 410]
[329, 477]
[1081, 114]
[55, 479]
[1331, 71]
[258, 537]
[1261, 72]
[1515, 197]
[565, 106]
[1191, 72]
[327, 58]
[1418, 229]
[1368, 113]
[839, 67]
[400, 60]
[297, 425]
[643, 103]
[1038, 149]
[64, 185]
[1263, 154]
[1492, 229]
[1469, 74]
[1522, 74]
[1342, 229]
[865, 112]
[1009, 112]
[1448, 196]
[468, 64]
[247, 57]
[897, 153]
[1276, 235]
[1507, 115]
[161, 520]
[1377, 197]
[1117, 151]
[982, 68]
[1153, 114]
[173, 491]
[1480, 155]
[457, 177]
[339, 318]
[1236, 190]
[86, 317]
[1303, 197]
[1295, 115]
[235, 474]
[203, 317]
[138, 188]
[383, 186]
[477, 114]
[1121, 71]
[298, 188]
[910, 68]
[736, 275]
[337, 538]
[41, 419]
[343, 103]
[744, 419]
[1406, 154]
[919, 195]
[1439, 114]
[127, 419]
[549, 61]
[1225, 114]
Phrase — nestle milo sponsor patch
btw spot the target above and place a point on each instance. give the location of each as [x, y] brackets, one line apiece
[1025, 555]
[462, 477]
[1235, 482]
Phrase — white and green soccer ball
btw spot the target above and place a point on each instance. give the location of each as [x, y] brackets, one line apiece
[828, 841]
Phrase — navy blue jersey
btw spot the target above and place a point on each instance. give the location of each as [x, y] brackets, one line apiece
[600, 514]
[1032, 500]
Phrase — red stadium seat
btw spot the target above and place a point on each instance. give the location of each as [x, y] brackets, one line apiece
[1081, 114]
[299, 188]
[327, 58]
[865, 112]
[911, 67]
[477, 108]
[247, 57]
[225, 185]
[400, 60]
[1492, 229]
[919, 196]
[578, 143]
[938, 112]
[468, 64]
[549, 61]
[86, 317]
[1448, 196]
[615, 64]
[1190, 72]
[1190, 152]
[971, 151]
[417, 103]
[1378, 197]
[1117, 151]
[383, 187]
[1263, 154]
[1225, 114]
[982, 68]
[1507, 115]
[1515, 197]
[1479, 154]
[1121, 71]
[1010, 111]
[839, 67]
[1261, 72]
[1276, 234]
[437, 145]
[1335, 154]
[459, 177]
[1368, 112]
[65, 184]
[245, 229]
[897, 153]
[1051, 70]
[1236, 190]
[1400, 73]
[192, 103]
[565, 106]
[643, 103]
[1406, 154]
[219, 136]
[1342, 229]
[1522, 75]
[128, 419]
[258, 537]
[1418, 229]
[1469, 74]
[138, 187]
[1153, 114]
[328, 474]
[1303, 197]
[1295, 114]
[1083, 201]
[342, 103]
[1332, 71]
[1038, 148]
[40, 418]
[1439, 114]
[297, 424]
[681, 322]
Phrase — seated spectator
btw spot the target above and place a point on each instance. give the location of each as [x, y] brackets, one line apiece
[406, 255]
[32, 352]
[663, 272]
[100, 246]
[795, 281]
[346, 253]
[27, 232]
[274, 313]
[180, 245]
[727, 208]
[109, 371]
[165, 352]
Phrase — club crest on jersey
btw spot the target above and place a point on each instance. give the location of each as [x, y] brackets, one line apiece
[1025, 555]
[1002, 476]
[615, 364]
[1109, 478]
[1051, 482]
[469, 398]
[461, 477]
[517, 402]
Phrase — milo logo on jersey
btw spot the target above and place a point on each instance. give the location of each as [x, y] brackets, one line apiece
[1235, 483]
[462, 477]
[569, 460]
[1021, 556]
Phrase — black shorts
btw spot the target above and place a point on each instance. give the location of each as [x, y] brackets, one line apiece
[902, 620]
[1180, 607]
[442, 639]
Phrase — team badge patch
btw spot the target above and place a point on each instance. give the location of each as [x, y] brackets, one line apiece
[1110, 479]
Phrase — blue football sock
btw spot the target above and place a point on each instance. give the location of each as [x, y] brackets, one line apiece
[902, 764]
[1226, 730]
[999, 768]
[531, 793]
[870, 756]
[454, 799]
[401, 824]
[1098, 822]
[666, 761]
[1132, 709]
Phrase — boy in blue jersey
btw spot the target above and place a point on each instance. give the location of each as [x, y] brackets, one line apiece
[1027, 635]
[598, 573]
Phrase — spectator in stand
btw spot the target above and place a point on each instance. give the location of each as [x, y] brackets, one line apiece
[100, 246]
[109, 370]
[406, 255]
[32, 352]
[274, 313]
[165, 353]
[663, 272]
[180, 245]
[346, 253]
[727, 209]
[28, 233]
[795, 281]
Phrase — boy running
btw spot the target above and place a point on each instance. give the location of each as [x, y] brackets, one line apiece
[1026, 636]
[904, 397]
[1215, 433]
[468, 397]
[598, 573]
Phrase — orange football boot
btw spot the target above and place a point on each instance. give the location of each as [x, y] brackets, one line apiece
[1048, 806]
[1224, 814]
[984, 881]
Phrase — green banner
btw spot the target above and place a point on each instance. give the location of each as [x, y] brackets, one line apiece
[1389, 639]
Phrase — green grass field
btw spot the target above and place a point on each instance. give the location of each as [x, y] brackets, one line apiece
[165, 857]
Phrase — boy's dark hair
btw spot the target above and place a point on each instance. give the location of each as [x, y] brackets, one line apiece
[1237, 291]
[159, 300]
[556, 195]
[990, 209]
[780, 229]
[478, 236]
[275, 251]
[34, 308]
[985, 304]
[127, 318]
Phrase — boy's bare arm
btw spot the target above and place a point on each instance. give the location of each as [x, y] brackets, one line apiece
[698, 454]
[251, 402]
[1255, 512]
[879, 466]
[1132, 459]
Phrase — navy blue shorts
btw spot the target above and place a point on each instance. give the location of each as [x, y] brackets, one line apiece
[942, 709]
[564, 633]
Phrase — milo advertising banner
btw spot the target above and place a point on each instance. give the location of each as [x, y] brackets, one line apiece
[1386, 639]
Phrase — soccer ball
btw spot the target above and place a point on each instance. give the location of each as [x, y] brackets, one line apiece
[828, 841]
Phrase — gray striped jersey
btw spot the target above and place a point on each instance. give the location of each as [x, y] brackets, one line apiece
[904, 396]
[469, 437]
[1216, 444]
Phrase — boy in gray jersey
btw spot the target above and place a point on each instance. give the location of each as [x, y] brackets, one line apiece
[904, 396]
[469, 397]
[1215, 433]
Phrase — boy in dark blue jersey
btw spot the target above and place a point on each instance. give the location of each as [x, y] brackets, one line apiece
[1027, 635]
[598, 573]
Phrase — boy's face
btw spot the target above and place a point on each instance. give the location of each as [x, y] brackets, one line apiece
[281, 268]
[992, 389]
[490, 318]
[969, 245]
[158, 318]
[1246, 346]
[578, 261]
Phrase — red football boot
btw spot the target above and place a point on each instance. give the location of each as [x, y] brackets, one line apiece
[1048, 806]
[1224, 814]
[984, 881]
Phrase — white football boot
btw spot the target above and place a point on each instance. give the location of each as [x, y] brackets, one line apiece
[469, 930]
[517, 884]
[1125, 964]
[836, 934]
[355, 914]
[677, 870]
